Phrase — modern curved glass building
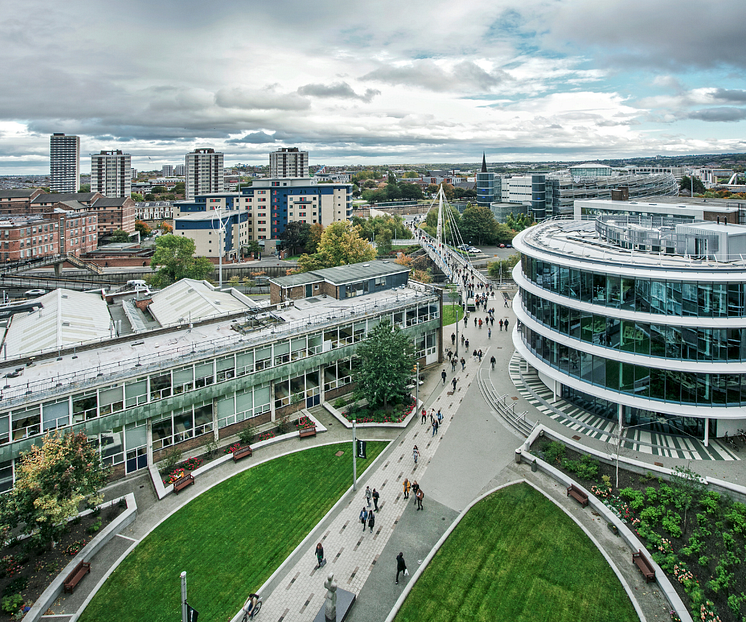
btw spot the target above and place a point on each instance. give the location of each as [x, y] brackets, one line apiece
[640, 320]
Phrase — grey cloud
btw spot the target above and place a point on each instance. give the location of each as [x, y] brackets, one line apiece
[264, 99]
[426, 74]
[735, 96]
[254, 138]
[340, 90]
[722, 114]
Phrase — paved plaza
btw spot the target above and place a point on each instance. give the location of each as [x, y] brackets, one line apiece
[472, 452]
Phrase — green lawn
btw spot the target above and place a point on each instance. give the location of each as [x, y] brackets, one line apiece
[450, 312]
[229, 540]
[516, 556]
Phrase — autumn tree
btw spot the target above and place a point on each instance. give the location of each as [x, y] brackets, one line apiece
[142, 227]
[386, 365]
[314, 237]
[174, 260]
[340, 245]
[52, 481]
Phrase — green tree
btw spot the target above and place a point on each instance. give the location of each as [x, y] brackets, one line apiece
[252, 247]
[383, 241]
[686, 184]
[340, 245]
[478, 225]
[137, 197]
[410, 191]
[52, 480]
[411, 175]
[174, 260]
[386, 365]
[118, 236]
[295, 237]
[158, 189]
[85, 188]
[314, 237]
[503, 268]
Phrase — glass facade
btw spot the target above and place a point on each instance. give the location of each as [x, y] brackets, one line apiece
[689, 343]
[678, 387]
[664, 297]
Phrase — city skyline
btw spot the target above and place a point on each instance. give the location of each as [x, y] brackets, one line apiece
[531, 81]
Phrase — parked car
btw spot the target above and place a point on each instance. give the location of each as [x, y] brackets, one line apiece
[474, 250]
[35, 292]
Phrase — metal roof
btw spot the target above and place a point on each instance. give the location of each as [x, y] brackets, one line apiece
[191, 300]
[57, 198]
[340, 275]
[66, 318]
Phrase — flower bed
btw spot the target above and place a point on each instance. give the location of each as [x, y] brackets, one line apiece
[304, 423]
[180, 471]
[25, 572]
[265, 436]
[696, 536]
[365, 414]
[232, 448]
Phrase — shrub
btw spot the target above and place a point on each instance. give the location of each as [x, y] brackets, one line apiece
[606, 480]
[586, 467]
[703, 561]
[73, 549]
[339, 403]
[734, 602]
[555, 452]
[192, 463]
[283, 424]
[211, 448]
[171, 459]
[636, 498]
[665, 494]
[711, 502]
[11, 604]
[652, 514]
[722, 579]
[94, 527]
[651, 494]
[246, 436]
[736, 516]
[122, 503]
[671, 524]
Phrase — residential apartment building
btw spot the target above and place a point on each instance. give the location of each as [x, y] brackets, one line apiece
[214, 363]
[167, 170]
[16, 202]
[56, 233]
[111, 174]
[111, 214]
[154, 211]
[204, 172]
[260, 212]
[288, 162]
[64, 163]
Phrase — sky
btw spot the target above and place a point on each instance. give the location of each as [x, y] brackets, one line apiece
[372, 83]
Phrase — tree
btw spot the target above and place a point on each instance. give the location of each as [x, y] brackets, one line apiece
[386, 365]
[410, 191]
[503, 268]
[118, 236]
[295, 237]
[137, 197]
[143, 228]
[252, 247]
[174, 260]
[52, 480]
[340, 245]
[165, 227]
[478, 225]
[686, 184]
[383, 241]
[411, 175]
[314, 237]
[158, 189]
[85, 188]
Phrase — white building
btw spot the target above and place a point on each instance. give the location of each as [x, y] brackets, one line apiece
[682, 209]
[639, 321]
[167, 170]
[204, 172]
[111, 174]
[64, 163]
[288, 162]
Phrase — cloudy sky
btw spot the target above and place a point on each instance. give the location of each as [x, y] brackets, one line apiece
[372, 82]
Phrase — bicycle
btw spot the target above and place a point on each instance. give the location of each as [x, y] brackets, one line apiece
[257, 607]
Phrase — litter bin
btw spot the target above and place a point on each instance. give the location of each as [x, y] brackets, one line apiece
[534, 466]
[517, 456]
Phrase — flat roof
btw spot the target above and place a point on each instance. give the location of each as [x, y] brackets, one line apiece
[720, 205]
[191, 300]
[339, 275]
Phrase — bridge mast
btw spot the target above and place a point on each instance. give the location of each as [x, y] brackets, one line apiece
[440, 215]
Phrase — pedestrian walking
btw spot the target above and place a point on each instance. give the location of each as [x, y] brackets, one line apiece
[453, 382]
[439, 416]
[479, 355]
[501, 324]
[463, 366]
[475, 322]
[401, 566]
[371, 521]
[368, 495]
[435, 427]
[466, 345]
[415, 454]
[319, 555]
[424, 416]
[489, 333]
[462, 340]
[474, 354]
[492, 321]
[480, 323]
[443, 375]
[492, 361]
[375, 500]
[407, 486]
[363, 517]
[453, 339]
[415, 488]
[453, 365]
[420, 497]
[506, 323]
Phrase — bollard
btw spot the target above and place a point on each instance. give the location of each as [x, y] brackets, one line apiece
[518, 456]
[534, 466]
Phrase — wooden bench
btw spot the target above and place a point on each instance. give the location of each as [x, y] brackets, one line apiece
[647, 570]
[183, 482]
[242, 452]
[81, 570]
[307, 432]
[577, 494]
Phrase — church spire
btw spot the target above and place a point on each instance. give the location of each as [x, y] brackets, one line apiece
[484, 163]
